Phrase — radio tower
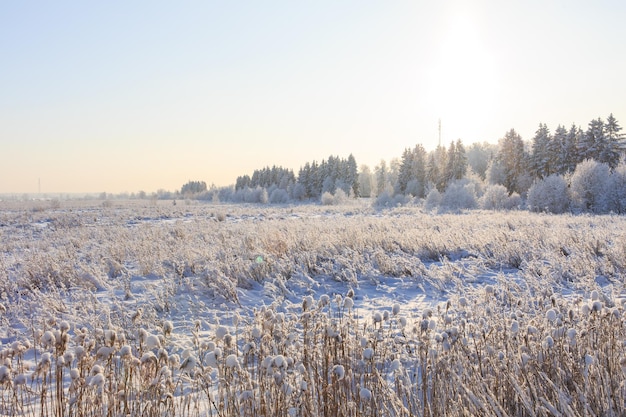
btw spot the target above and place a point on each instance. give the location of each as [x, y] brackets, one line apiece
[439, 132]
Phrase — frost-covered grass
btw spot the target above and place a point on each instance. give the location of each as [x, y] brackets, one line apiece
[197, 310]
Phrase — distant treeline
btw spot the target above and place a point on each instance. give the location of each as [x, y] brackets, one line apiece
[454, 176]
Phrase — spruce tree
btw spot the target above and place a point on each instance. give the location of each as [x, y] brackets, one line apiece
[615, 146]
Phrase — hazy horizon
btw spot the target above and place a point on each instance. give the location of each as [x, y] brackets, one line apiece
[125, 97]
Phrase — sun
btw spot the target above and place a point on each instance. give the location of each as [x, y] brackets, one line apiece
[463, 81]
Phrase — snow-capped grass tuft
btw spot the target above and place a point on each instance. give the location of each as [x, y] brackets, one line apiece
[339, 371]
[377, 317]
[232, 362]
[368, 354]
[365, 394]
[221, 332]
[596, 306]
[168, 327]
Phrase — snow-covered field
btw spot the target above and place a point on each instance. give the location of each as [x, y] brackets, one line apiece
[149, 308]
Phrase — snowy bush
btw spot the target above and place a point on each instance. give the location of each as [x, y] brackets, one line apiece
[589, 187]
[388, 199]
[433, 199]
[617, 187]
[336, 199]
[327, 198]
[460, 194]
[549, 194]
[414, 188]
[494, 198]
[279, 196]
[299, 192]
[514, 202]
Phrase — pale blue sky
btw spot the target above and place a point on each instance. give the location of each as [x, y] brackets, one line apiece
[140, 95]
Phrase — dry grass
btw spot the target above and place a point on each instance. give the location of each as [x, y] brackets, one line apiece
[551, 342]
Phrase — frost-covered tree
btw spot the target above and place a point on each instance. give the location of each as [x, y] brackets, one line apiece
[456, 164]
[242, 182]
[382, 177]
[494, 198]
[540, 157]
[614, 139]
[589, 187]
[405, 173]
[460, 194]
[394, 171]
[365, 181]
[433, 175]
[351, 176]
[193, 187]
[557, 150]
[549, 194]
[617, 185]
[478, 157]
[433, 199]
[495, 173]
[436, 168]
[412, 172]
[592, 144]
[279, 196]
[571, 149]
[268, 176]
[317, 178]
[512, 159]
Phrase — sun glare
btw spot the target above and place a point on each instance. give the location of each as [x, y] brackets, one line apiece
[463, 81]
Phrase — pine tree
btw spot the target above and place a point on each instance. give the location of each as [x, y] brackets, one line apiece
[593, 142]
[432, 170]
[418, 172]
[615, 146]
[573, 154]
[457, 161]
[353, 176]
[557, 151]
[540, 157]
[437, 163]
[381, 177]
[405, 174]
[365, 181]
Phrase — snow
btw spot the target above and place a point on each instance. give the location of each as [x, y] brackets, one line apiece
[202, 293]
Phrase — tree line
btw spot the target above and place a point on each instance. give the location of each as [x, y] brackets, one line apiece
[431, 177]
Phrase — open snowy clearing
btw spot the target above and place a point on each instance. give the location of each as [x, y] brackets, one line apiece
[378, 306]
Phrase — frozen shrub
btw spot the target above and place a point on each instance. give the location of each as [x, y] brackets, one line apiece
[514, 202]
[617, 185]
[589, 189]
[263, 196]
[494, 198]
[384, 199]
[433, 199]
[327, 199]
[549, 194]
[299, 192]
[279, 196]
[459, 195]
[339, 198]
